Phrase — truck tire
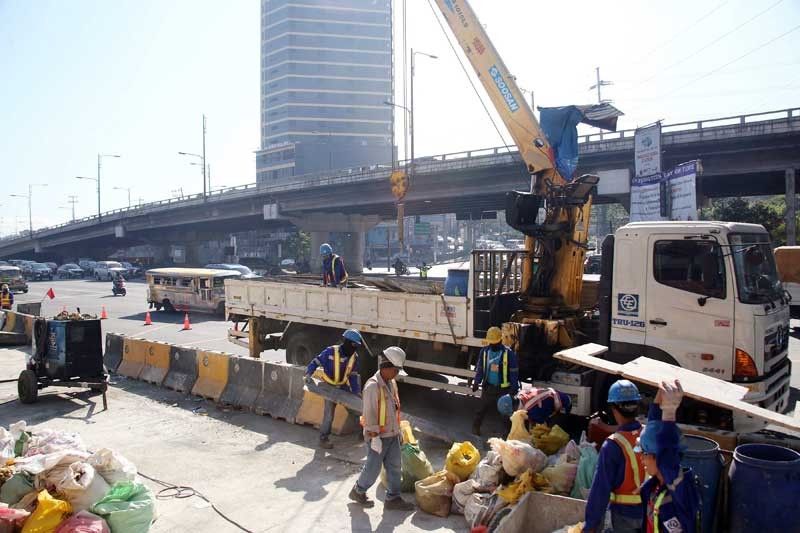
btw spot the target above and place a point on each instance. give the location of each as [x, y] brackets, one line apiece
[168, 307]
[28, 386]
[302, 347]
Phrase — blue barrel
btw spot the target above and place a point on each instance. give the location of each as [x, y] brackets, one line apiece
[457, 282]
[764, 489]
[702, 455]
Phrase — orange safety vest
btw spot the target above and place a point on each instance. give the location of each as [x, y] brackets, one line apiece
[628, 492]
[5, 300]
[382, 406]
[338, 379]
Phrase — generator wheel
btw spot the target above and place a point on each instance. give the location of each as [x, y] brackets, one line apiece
[28, 386]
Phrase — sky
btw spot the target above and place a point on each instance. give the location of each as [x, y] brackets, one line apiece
[134, 78]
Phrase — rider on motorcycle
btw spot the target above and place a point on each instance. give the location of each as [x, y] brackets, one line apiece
[118, 281]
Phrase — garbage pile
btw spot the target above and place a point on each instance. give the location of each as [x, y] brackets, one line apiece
[51, 483]
[76, 315]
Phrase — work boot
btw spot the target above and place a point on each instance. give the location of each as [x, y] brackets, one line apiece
[398, 504]
[326, 444]
[360, 498]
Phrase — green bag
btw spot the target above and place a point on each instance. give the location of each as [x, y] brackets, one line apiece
[414, 467]
[128, 507]
[15, 488]
[586, 467]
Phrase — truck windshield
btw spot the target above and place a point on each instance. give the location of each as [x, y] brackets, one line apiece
[756, 276]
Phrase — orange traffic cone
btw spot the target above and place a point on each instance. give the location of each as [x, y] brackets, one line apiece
[186, 324]
[147, 321]
[103, 314]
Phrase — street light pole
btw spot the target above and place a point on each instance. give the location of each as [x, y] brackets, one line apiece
[204, 157]
[29, 196]
[412, 124]
[99, 164]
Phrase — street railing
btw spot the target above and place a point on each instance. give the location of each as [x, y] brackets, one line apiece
[449, 161]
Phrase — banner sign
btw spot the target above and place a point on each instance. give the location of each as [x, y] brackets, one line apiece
[670, 195]
[647, 150]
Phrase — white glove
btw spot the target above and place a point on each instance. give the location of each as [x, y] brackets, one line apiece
[669, 398]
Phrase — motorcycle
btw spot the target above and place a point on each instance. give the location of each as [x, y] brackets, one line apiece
[118, 288]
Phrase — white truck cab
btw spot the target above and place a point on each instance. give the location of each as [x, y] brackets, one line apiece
[704, 296]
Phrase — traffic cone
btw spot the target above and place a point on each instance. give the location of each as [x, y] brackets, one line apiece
[186, 324]
[103, 314]
[147, 321]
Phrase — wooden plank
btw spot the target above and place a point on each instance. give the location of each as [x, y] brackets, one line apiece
[442, 369]
[462, 389]
[587, 355]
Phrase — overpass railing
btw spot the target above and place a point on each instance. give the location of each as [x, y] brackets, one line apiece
[448, 161]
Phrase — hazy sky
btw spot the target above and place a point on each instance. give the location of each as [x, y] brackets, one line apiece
[134, 77]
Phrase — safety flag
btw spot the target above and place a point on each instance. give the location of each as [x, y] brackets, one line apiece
[50, 294]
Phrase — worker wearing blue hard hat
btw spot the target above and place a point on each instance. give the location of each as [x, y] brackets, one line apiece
[333, 272]
[620, 470]
[497, 373]
[337, 366]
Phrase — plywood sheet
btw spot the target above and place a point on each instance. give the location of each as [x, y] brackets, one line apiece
[588, 355]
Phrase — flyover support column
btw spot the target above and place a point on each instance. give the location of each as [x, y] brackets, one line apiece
[791, 208]
[317, 239]
[346, 233]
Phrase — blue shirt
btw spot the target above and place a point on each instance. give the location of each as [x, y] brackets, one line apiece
[513, 369]
[493, 366]
[325, 361]
[335, 275]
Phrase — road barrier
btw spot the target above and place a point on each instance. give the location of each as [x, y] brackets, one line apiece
[17, 329]
[311, 411]
[245, 382]
[282, 394]
[113, 354]
[133, 351]
[156, 362]
[212, 374]
[182, 372]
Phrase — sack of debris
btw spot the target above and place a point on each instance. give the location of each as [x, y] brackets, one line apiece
[49, 513]
[112, 466]
[462, 459]
[518, 430]
[527, 482]
[81, 486]
[434, 493]
[83, 522]
[549, 439]
[128, 507]
[414, 467]
[587, 464]
[518, 456]
[488, 472]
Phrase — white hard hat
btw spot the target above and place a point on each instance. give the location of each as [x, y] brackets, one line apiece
[395, 355]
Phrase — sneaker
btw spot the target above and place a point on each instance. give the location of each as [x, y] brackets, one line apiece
[326, 444]
[398, 504]
[360, 498]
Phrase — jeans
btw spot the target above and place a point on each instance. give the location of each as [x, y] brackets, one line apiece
[625, 524]
[390, 459]
[327, 420]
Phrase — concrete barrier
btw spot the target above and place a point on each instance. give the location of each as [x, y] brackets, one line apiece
[212, 374]
[311, 411]
[133, 351]
[113, 353]
[17, 329]
[245, 382]
[182, 372]
[283, 392]
[30, 308]
[156, 362]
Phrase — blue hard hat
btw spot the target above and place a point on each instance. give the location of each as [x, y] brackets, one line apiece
[623, 391]
[505, 405]
[325, 249]
[646, 443]
[353, 336]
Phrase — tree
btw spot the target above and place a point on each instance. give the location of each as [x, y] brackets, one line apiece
[298, 246]
[770, 213]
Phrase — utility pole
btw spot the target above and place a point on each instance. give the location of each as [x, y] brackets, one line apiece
[73, 200]
[598, 84]
[205, 184]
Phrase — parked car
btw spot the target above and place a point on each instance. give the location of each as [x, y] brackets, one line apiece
[133, 270]
[40, 271]
[52, 266]
[243, 270]
[27, 269]
[87, 265]
[4, 263]
[106, 270]
[12, 276]
[69, 271]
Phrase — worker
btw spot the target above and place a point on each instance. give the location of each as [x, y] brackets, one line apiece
[670, 496]
[333, 271]
[336, 366]
[497, 373]
[620, 471]
[423, 270]
[544, 406]
[6, 297]
[381, 423]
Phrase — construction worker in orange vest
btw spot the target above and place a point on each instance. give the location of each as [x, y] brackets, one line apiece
[336, 366]
[620, 470]
[6, 297]
[381, 422]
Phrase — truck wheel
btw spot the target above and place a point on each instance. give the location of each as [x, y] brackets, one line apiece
[168, 307]
[27, 386]
[302, 348]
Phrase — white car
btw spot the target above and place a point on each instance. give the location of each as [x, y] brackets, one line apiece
[106, 270]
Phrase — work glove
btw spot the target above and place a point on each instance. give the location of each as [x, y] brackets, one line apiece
[474, 386]
[308, 379]
[669, 399]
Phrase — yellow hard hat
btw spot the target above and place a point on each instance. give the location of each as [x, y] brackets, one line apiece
[493, 335]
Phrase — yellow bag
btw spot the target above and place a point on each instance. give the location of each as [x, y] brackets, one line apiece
[526, 482]
[462, 459]
[406, 433]
[548, 439]
[518, 429]
[48, 515]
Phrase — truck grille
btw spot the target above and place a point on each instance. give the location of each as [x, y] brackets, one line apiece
[778, 388]
[776, 344]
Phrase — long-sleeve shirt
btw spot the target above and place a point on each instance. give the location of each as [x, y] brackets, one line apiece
[325, 361]
[333, 271]
[483, 367]
[678, 511]
[370, 410]
[6, 300]
[609, 475]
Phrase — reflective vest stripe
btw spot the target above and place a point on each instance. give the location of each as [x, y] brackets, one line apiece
[657, 508]
[505, 382]
[632, 461]
[5, 300]
[333, 269]
[382, 406]
[338, 379]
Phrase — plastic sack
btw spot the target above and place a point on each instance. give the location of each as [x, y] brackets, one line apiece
[15, 488]
[462, 459]
[49, 513]
[587, 464]
[476, 506]
[406, 433]
[527, 482]
[461, 493]
[81, 486]
[7, 442]
[12, 519]
[562, 476]
[112, 466]
[47, 441]
[414, 466]
[28, 502]
[488, 472]
[434, 493]
[548, 439]
[518, 429]
[83, 522]
[577, 528]
[128, 508]
[517, 457]
[37, 464]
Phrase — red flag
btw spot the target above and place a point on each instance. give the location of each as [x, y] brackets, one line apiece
[50, 294]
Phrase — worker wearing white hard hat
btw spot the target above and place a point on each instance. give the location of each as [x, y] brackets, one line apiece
[381, 423]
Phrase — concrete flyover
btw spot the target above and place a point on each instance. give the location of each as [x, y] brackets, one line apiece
[744, 155]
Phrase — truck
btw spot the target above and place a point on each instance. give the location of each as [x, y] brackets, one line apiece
[788, 258]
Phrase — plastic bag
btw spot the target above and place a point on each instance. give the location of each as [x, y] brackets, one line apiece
[112, 466]
[476, 505]
[561, 476]
[37, 464]
[49, 513]
[81, 486]
[548, 439]
[15, 488]
[406, 433]
[47, 441]
[461, 493]
[462, 459]
[527, 482]
[12, 519]
[518, 429]
[414, 466]
[434, 493]
[83, 522]
[128, 508]
[518, 456]
[587, 464]
[488, 472]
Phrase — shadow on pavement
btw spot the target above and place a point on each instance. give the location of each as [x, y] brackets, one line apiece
[165, 317]
[55, 403]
